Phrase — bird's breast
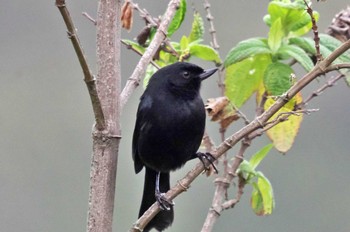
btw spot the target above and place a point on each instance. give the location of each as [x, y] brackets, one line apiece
[172, 134]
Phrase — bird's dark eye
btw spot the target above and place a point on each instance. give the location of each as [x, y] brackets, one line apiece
[186, 74]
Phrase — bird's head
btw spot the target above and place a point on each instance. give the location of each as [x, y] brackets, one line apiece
[182, 78]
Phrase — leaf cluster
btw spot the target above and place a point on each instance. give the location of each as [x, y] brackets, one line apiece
[188, 46]
[262, 199]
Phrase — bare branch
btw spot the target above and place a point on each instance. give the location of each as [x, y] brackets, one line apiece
[88, 76]
[140, 69]
[231, 203]
[86, 15]
[338, 67]
[222, 184]
[331, 82]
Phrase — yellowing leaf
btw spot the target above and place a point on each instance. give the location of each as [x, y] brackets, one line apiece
[242, 79]
[283, 134]
[256, 201]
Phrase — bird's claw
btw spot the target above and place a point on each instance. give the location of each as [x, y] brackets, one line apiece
[203, 157]
[163, 202]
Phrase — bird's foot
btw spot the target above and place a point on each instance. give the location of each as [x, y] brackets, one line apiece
[206, 158]
[164, 203]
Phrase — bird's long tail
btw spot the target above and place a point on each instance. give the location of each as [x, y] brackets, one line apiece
[165, 217]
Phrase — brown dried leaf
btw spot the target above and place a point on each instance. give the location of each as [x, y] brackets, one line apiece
[220, 109]
[127, 12]
[228, 120]
[215, 105]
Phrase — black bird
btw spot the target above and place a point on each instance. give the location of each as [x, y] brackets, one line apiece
[168, 132]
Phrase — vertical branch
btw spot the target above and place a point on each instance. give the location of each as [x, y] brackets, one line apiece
[88, 77]
[106, 107]
[106, 142]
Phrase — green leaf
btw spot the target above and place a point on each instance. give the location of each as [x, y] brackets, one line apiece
[149, 73]
[246, 169]
[204, 52]
[242, 79]
[265, 189]
[259, 156]
[294, 18]
[134, 45]
[347, 79]
[303, 25]
[307, 44]
[197, 28]
[331, 44]
[267, 20]
[276, 35]
[327, 45]
[277, 78]
[178, 18]
[165, 58]
[183, 43]
[256, 201]
[245, 49]
[298, 54]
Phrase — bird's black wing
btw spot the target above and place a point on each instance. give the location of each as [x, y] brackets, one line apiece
[140, 125]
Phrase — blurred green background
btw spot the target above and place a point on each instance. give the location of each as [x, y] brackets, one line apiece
[46, 121]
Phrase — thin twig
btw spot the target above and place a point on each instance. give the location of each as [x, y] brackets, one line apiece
[314, 29]
[145, 15]
[231, 203]
[241, 114]
[88, 76]
[140, 69]
[331, 82]
[212, 31]
[86, 15]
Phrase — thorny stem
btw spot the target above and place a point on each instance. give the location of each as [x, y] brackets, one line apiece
[331, 82]
[221, 74]
[212, 30]
[314, 29]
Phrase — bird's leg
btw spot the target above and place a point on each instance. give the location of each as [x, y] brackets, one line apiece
[205, 158]
[164, 203]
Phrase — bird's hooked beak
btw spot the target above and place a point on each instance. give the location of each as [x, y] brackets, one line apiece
[207, 73]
